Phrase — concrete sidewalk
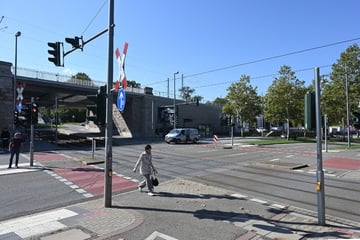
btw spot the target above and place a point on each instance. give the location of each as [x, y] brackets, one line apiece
[90, 220]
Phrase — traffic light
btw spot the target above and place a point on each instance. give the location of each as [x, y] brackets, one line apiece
[75, 42]
[34, 113]
[55, 52]
[16, 117]
[97, 111]
[309, 111]
[26, 115]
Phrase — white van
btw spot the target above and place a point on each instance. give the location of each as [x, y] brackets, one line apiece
[182, 135]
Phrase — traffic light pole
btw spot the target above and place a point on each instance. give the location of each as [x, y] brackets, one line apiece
[320, 185]
[109, 103]
[32, 139]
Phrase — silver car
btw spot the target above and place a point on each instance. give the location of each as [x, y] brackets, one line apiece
[182, 135]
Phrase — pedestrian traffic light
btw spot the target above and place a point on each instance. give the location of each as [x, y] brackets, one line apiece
[75, 42]
[34, 113]
[55, 52]
[97, 111]
[16, 117]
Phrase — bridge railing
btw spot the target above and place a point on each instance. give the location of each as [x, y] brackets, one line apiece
[31, 73]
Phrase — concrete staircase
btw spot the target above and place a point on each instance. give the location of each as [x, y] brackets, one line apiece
[120, 124]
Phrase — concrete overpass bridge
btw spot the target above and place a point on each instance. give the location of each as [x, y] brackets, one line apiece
[145, 114]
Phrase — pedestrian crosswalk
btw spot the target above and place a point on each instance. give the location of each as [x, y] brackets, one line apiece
[23, 168]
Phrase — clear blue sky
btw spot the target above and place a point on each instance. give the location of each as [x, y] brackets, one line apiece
[194, 37]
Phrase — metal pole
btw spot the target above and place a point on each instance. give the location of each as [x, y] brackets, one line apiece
[31, 136]
[18, 34]
[175, 100]
[347, 109]
[109, 102]
[93, 147]
[326, 133]
[320, 185]
[56, 120]
[168, 83]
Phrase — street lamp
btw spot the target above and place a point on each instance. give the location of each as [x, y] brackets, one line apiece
[18, 34]
[175, 100]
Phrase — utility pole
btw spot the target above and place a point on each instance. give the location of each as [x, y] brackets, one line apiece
[109, 103]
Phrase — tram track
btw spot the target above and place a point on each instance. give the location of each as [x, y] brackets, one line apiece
[336, 204]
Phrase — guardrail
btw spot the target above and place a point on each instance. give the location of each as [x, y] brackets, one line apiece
[31, 73]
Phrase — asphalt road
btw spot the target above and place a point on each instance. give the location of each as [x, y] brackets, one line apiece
[234, 169]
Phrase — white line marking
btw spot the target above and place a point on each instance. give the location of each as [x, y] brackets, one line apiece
[237, 195]
[279, 206]
[275, 159]
[258, 200]
[156, 234]
[36, 224]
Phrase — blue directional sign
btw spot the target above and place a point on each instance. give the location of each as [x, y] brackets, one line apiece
[121, 99]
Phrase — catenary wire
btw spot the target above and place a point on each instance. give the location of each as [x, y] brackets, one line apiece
[92, 20]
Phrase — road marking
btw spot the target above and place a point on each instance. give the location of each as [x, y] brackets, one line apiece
[237, 195]
[289, 156]
[157, 234]
[36, 224]
[275, 159]
[23, 168]
[278, 206]
[258, 200]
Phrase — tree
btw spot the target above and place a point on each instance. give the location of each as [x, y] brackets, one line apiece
[133, 84]
[242, 100]
[285, 98]
[185, 93]
[333, 99]
[82, 79]
[220, 102]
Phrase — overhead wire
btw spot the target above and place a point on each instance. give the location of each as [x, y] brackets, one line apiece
[272, 57]
[261, 60]
[93, 19]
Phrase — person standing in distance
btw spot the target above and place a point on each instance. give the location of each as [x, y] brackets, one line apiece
[146, 166]
[15, 147]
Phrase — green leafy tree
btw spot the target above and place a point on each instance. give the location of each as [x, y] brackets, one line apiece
[133, 84]
[81, 78]
[186, 92]
[345, 72]
[285, 98]
[242, 100]
[220, 102]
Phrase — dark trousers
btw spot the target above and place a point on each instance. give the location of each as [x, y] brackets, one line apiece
[16, 152]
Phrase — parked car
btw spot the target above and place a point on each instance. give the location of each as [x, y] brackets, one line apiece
[182, 135]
